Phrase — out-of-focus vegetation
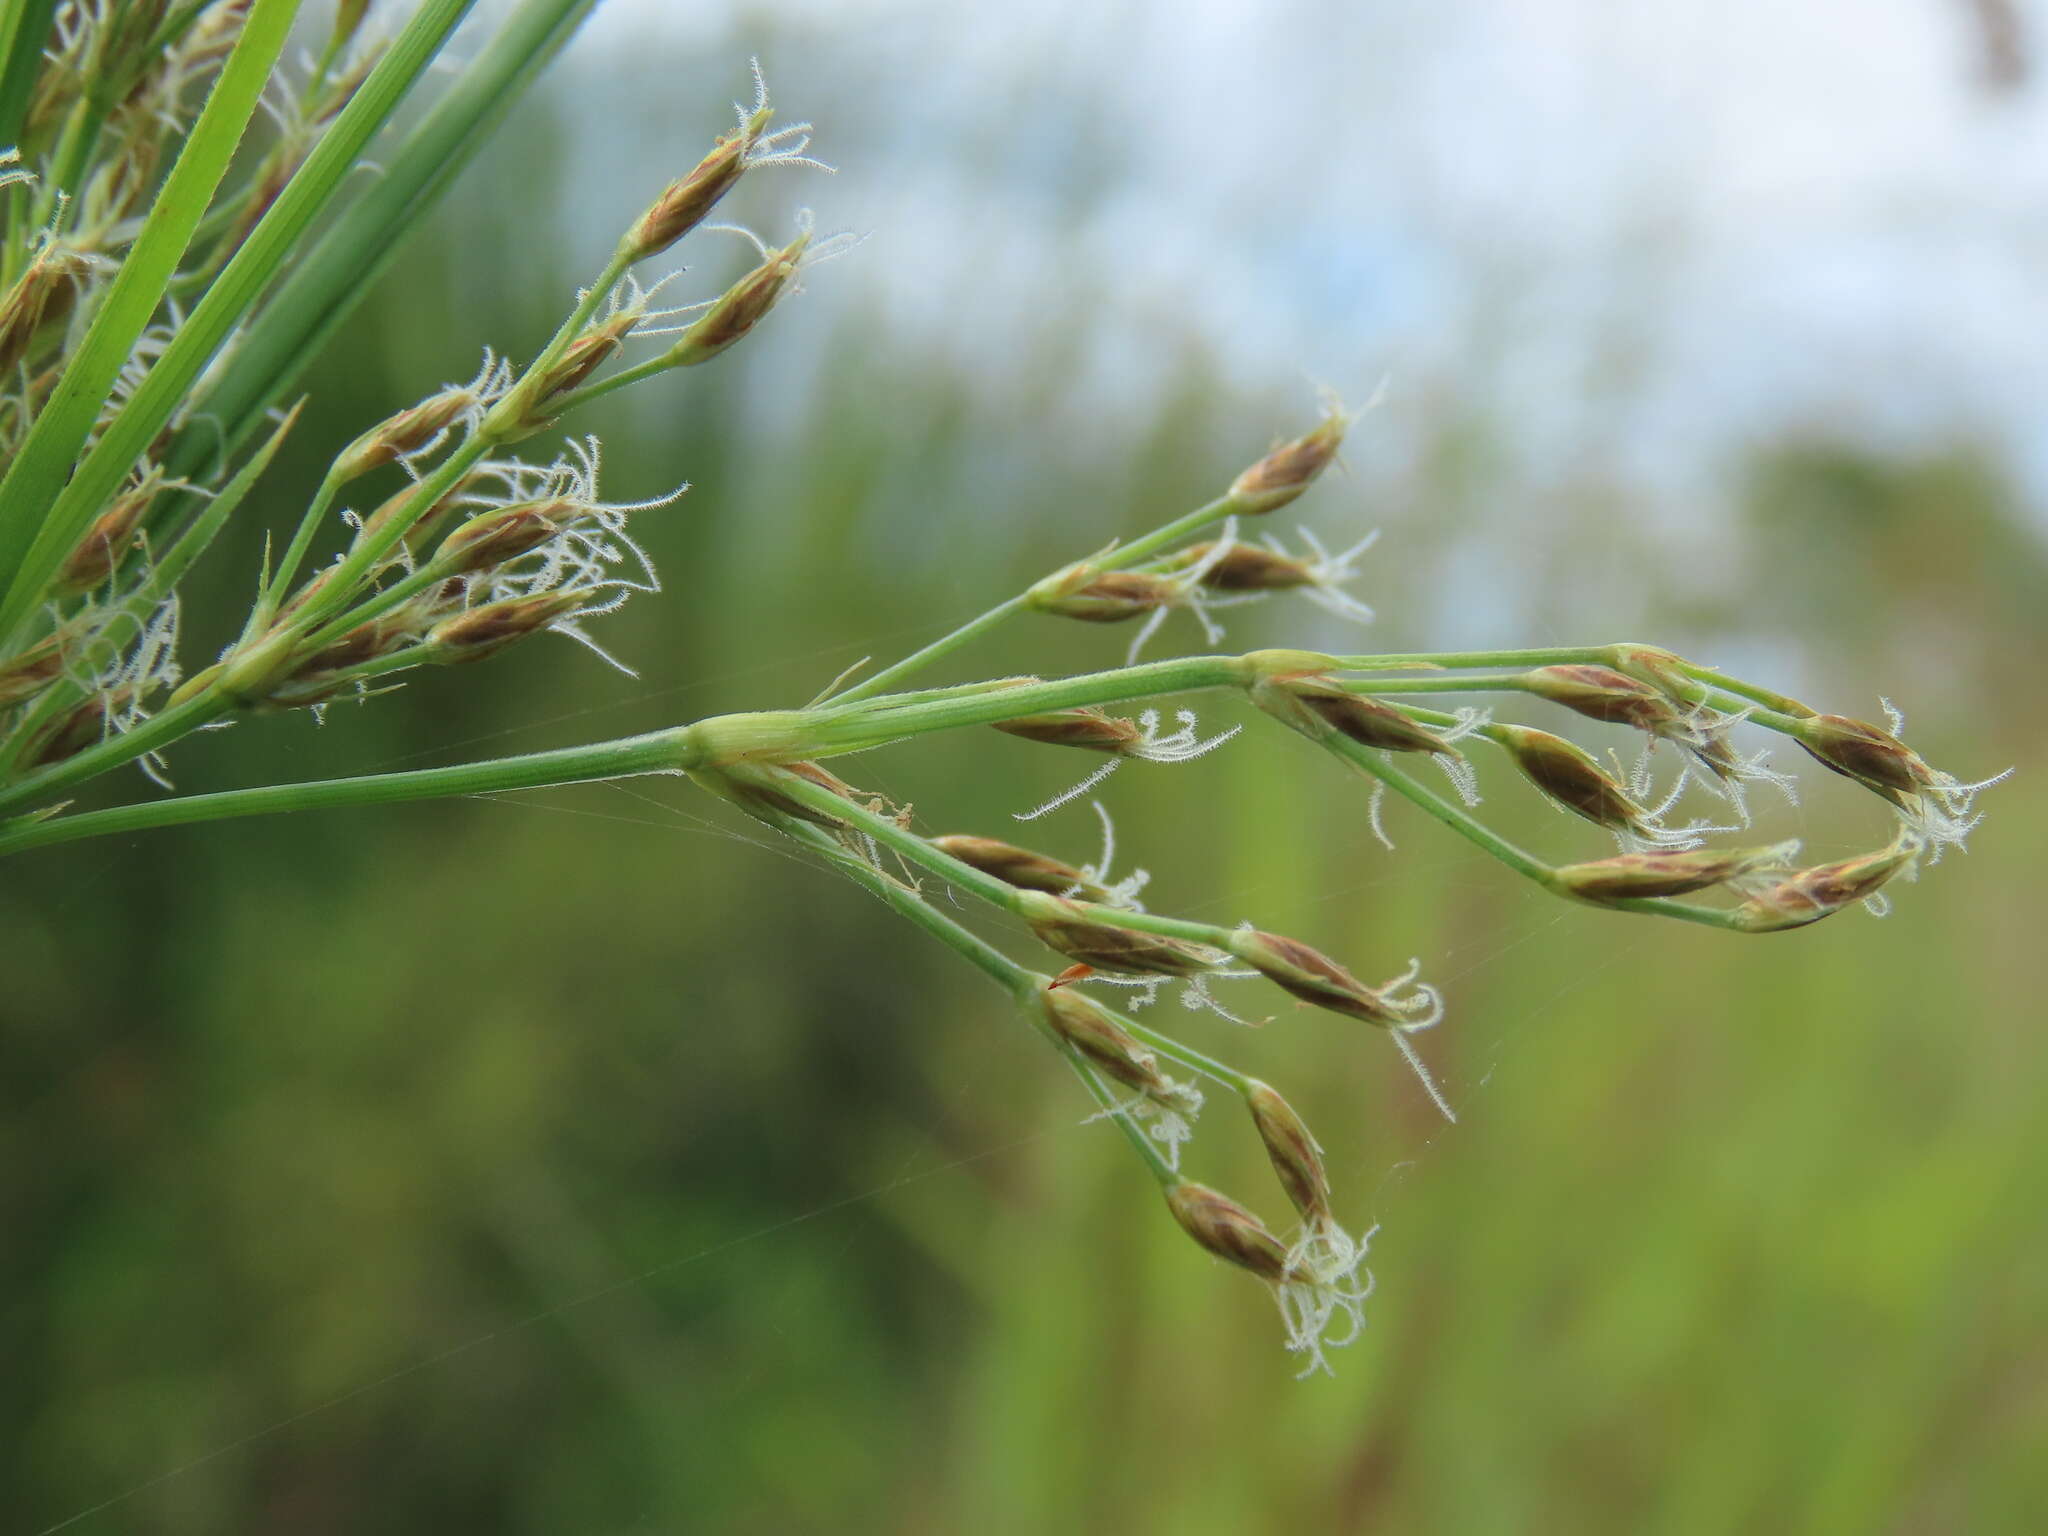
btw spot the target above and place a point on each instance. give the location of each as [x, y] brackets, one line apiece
[576, 1162]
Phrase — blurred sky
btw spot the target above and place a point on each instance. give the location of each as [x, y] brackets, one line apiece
[1676, 228]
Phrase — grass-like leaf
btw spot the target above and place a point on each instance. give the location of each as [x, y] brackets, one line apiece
[24, 26]
[252, 270]
[44, 506]
[325, 286]
[191, 544]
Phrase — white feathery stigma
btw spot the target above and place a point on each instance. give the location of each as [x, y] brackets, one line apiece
[1153, 746]
[1116, 893]
[1647, 832]
[1940, 815]
[1185, 591]
[1711, 763]
[1180, 745]
[1171, 1123]
[1326, 1287]
[785, 146]
[1328, 572]
[593, 554]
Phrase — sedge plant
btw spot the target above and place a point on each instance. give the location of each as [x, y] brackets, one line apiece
[182, 234]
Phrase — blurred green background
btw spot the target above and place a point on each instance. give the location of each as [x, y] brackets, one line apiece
[574, 1162]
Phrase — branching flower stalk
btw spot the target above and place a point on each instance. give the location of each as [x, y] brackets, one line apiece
[533, 547]
[151, 315]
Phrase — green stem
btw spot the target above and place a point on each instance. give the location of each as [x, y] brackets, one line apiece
[1110, 560]
[422, 655]
[997, 893]
[1544, 656]
[497, 429]
[1476, 832]
[1187, 524]
[376, 605]
[666, 751]
[1019, 981]
[1724, 703]
[1756, 706]
[1113, 1110]
[1781, 706]
[1469, 827]
[942, 647]
[981, 689]
[1022, 984]
[159, 731]
[1194, 1060]
[744, 742]
[827, 733]
[561, 405]
[851, 729]
[295, 552]
[1379, 685]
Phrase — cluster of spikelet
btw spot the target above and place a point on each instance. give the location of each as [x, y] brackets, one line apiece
[129, 443]
[466, 549]
[1362, 710]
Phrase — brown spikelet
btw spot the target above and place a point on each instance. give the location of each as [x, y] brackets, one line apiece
[1568, 775]
[421, 525]
[1075, 930]
[585, 355]
[504, 533]
[1859, 750]
[96, 555]
[1111, 597]
[686, 201]
[1088, 728]
[27, 674]
[1227, 1229]
[485, 630]
[1823, 890]
[1637, 875]
[1312, 704]
[1312, 976]
[407, 431]
[1086, 1025]
[756, 791]
[1021, 867]
[42, 295]
[740, 308]
[1295, 1156]
[77, 728]
[364, 643]
[1288, 470]
[1601, 693]
[1247, 568]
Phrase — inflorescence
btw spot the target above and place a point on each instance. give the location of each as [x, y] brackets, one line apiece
[473, 547]
[1365, 711]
